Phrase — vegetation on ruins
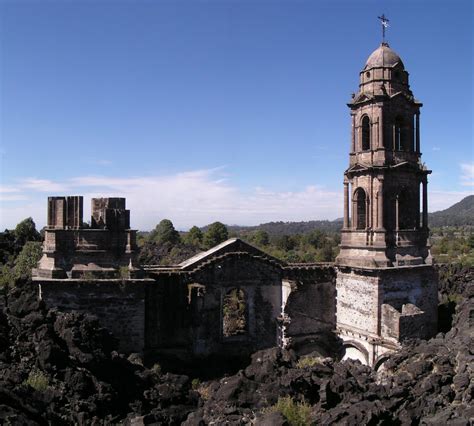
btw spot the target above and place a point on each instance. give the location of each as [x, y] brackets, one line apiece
[234, 320]
[37, 380]
[296, 413]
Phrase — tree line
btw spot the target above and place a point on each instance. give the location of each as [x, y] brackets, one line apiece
[164, 245]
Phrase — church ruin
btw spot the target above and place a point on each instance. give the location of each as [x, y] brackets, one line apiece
[386, 284]
[235, 299]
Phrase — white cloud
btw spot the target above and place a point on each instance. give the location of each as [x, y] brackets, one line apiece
[190, 198]
[467, 176]
[43, 185]
[440, 200]
[8, 189]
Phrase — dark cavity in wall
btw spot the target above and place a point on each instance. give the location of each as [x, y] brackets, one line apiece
[445, 316]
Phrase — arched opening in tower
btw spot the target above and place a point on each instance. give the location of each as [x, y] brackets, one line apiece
[400, 135]
[406, 210]
[360, 216]
[365, 133]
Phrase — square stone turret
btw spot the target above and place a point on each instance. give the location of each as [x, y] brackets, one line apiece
[106, 249]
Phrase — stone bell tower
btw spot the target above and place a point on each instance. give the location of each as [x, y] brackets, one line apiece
[386, 285]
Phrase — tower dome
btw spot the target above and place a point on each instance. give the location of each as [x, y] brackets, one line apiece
[383, 56]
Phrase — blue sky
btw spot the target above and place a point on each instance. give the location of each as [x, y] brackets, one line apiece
[216, 110]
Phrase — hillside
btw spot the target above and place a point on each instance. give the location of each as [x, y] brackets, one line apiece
[458, 214]
[289, 228]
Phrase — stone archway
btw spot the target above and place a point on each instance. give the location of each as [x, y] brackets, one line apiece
[378, 366]
[355, 351]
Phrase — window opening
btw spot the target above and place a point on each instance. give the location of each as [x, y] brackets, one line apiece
[365, 133]
[234, 318]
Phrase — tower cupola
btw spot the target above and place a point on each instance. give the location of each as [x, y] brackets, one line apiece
[384, 73]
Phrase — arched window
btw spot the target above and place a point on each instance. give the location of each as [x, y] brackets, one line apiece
[407, 210]
[360, 200]
[365, 133]
[400, 134]
[234, 313]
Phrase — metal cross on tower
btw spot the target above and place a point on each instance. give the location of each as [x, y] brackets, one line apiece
[384, 22]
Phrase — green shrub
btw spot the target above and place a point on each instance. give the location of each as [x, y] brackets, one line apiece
[195, 384]
[37, 380]
[308, 361]
[124, 272]
[156, 369]
[296, 413]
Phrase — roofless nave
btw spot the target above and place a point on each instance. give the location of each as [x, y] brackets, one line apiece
[234, 299]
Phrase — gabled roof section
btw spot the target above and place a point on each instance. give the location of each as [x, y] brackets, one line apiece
[357, 168]
[359, 98]
[233, 245]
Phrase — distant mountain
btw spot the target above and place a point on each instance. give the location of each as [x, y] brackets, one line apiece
[289, 228]
[458, 214]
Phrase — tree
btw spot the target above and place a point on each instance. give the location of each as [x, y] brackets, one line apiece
[194, 236]
[215, 234]
[261, 238]
[285, 242]
[28, 258]
[315, 238]
[164, 232]
[26, 231]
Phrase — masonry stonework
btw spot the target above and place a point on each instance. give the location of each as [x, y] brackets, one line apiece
[386, 284]
[234, 299]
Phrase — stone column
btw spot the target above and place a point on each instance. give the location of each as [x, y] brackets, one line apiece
[425, 201]
[346, 205]
[396, 213]
[417, 120]
[417, 222]
[353, 135]
[394, 133]
[381, 141]
[380, 224]
[367, 212]
[354, 214]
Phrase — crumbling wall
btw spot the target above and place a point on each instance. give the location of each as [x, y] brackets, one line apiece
[309, 312]
[358, 303]
[118, 304]
[260, 282]
[167, 314]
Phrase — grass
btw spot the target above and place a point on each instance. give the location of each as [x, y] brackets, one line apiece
[156, 369]
[37, 380]
[295, 412]
[308, 361]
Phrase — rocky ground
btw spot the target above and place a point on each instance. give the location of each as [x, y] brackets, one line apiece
[58, 368]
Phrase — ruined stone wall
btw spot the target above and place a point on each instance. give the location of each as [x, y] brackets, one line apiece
[167, 313]
[118, 304]
[358, 300]
[310, 310]
[406, 288]
[260, 282]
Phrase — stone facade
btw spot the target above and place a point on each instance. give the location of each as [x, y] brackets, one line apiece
[229, 301]
[187, 304]
[386, 283]
[233, 299]
[106, 249]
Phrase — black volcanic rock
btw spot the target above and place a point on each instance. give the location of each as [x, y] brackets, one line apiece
[63, 368]
[58, 368]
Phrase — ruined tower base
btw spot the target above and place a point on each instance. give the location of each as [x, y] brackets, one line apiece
[379, 308]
